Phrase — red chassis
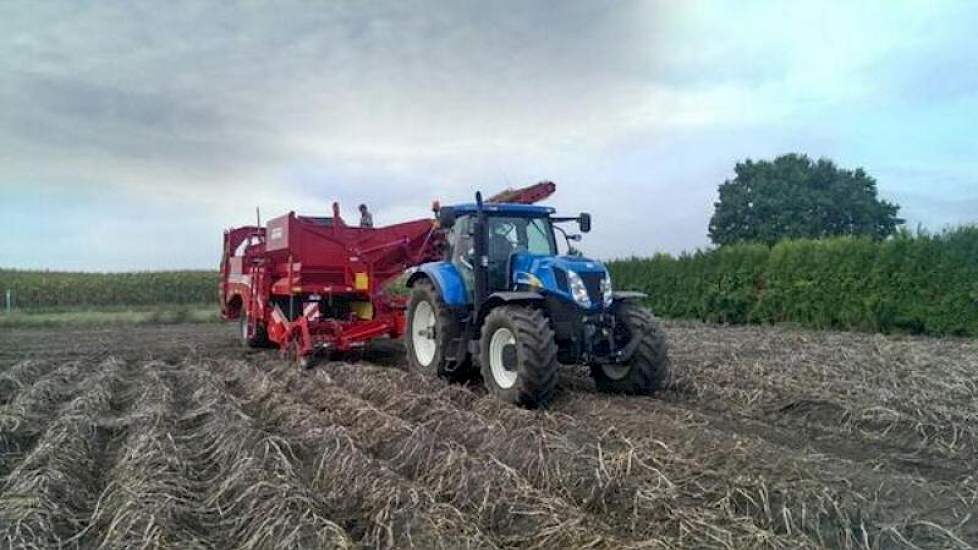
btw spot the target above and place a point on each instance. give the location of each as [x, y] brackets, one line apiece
[307, 284]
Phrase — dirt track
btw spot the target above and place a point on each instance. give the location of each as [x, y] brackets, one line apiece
[176, 437]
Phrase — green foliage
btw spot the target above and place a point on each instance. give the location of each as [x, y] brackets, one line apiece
[53, 289]
[913, 283]
[793, 197]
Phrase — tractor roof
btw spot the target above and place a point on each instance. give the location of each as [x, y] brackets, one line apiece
[505, 208]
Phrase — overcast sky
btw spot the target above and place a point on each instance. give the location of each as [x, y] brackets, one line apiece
[132, 134]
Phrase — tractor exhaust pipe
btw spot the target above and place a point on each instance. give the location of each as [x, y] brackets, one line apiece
[481, 246]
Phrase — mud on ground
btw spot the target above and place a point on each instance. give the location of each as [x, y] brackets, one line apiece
[175, 437]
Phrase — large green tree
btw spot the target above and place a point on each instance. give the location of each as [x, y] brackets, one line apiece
[795, 197]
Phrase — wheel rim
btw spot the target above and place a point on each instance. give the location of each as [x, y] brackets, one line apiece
[616, 371]
[504, 376]
[423, 333]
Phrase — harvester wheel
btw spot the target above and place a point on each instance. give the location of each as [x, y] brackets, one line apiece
[252, 336]
[431, 328]
[648, 369]
[518, 356]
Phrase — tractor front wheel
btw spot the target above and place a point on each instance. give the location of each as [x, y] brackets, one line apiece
[518, 356]
[647, 371]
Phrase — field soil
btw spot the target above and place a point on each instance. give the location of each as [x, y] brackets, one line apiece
[176, 437]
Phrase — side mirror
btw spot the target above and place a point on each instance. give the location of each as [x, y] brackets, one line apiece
[446, 217]
[584, 221]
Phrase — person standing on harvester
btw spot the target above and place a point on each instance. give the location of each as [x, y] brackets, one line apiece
[366, 218]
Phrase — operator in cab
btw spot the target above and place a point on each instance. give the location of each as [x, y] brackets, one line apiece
[366, 218]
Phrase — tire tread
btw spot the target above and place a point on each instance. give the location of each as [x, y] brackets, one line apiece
[537, 382]
[650, 366]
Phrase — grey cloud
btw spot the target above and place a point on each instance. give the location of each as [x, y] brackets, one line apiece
[93, 103]
[65, 112]
[204, 85]
[638, 109]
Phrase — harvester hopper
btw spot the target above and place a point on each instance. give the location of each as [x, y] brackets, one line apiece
[307, 283]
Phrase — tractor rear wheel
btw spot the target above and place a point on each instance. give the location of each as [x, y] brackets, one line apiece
[648, 370]
[431, 328]
[252, 336]
[518, 356]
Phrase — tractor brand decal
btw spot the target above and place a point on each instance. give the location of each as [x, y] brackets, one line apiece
[276, 233]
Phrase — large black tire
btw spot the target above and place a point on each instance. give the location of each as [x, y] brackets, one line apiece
[533, 356]
[648, 370]
[446, 329]
[256, 338]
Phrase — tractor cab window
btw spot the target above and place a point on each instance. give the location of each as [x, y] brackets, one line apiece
[540, 237]
[513, 234]
[461, 241]
[462, 252]
[508, 235]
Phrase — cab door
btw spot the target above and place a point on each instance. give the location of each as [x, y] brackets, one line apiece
[463, 254]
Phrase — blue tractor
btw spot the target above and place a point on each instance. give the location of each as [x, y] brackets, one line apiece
[504, 302]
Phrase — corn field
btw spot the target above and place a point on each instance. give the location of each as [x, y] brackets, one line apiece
[54, 290]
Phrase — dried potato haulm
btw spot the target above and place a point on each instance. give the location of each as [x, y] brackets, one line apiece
[253, 481]
[382, 507]
[45, 501]
[150, 500]
[768, 438]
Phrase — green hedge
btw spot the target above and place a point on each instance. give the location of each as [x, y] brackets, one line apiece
[921, 284]
[57, 289]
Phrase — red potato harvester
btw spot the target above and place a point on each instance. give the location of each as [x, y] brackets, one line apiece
[310, 284]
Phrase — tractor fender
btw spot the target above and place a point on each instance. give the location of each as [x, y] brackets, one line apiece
[508, 297]
[447, 280]
[502, 298]
[627, 295]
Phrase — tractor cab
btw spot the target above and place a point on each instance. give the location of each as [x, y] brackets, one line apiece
[514, 233]
[522, 252]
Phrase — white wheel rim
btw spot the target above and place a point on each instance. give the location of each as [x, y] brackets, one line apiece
[504, 377]
[423, 333]
[616, 371]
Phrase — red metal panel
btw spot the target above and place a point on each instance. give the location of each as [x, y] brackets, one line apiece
[278, 233]
[306, 255]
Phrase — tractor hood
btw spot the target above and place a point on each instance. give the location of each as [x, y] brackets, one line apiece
[555, 275]
[539, 264]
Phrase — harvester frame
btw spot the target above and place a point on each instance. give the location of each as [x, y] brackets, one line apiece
[310, 284]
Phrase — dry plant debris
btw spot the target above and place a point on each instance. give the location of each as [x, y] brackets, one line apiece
[174, 437]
